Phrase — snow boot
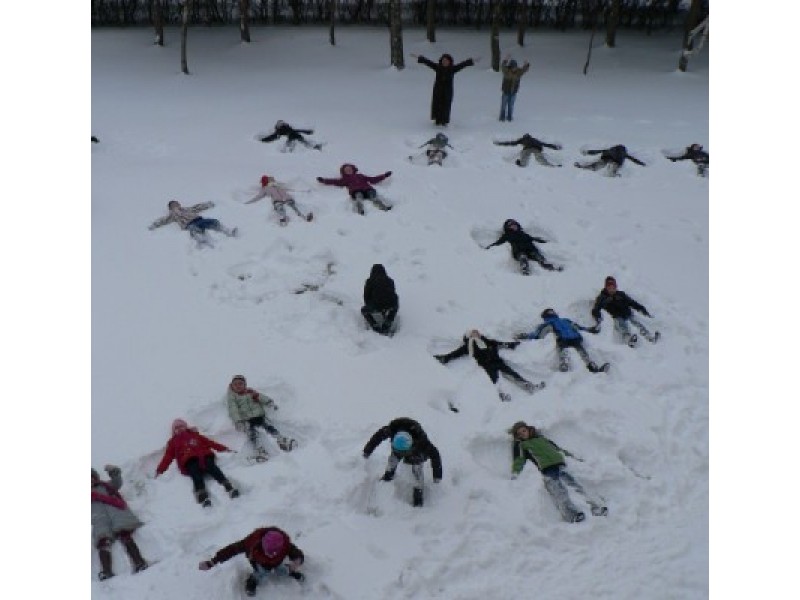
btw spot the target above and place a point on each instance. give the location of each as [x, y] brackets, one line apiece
[139, 563]
[232, 491]
[524, 266]
[250, 586]
[417, 497]
[578, 517]
[286, 444]
[599, 511]
[202, 498]
[633, 341]
[105, 563]
[388, 476]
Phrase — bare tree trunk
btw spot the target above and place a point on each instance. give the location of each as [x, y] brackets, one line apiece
[332, 34]
[522, 21]
[396, 34]
[591, 41]
[613, 21]
[158, 21]
[431, 19]
[244, 26]
[692, 19]
[495, 35]
[184, 35]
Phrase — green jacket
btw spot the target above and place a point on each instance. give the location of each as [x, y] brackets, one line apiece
[242, 407]
[543, 452]
[511, 77]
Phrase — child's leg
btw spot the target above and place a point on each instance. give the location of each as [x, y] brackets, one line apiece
[524, 157]
[417, 471]
[596, 503]
[391, 467]
[560, 496]
[280, 210]
[510, 103]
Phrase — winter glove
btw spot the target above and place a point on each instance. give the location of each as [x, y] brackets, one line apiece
[514, 476]
[440, 358]
[297, 576]
[388, 174]
[645, 313]
[205, 565]
[520, 336]
[595, 329]
[512, 345]
[319, 179]
[151, 227]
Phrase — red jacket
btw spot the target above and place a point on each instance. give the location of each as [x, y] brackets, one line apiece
[251, 546]
[185, 445]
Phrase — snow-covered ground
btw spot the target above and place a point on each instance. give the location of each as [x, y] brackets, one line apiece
[172, 323]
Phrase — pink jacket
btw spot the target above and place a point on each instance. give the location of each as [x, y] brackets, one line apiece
[354, 182]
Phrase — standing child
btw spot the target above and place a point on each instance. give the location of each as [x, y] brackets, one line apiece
[246, 408]
[269, 550]
[358, 186]
[567, 336]
[411, 445]
[189, 218]
[442, 98]
[618, 304]
[281, 198]
[111, 518]
[510, 86]
[194, 454]
[529, 444]
[522, 248]
[292, 135]
[530, 145]
[486, 353]
[613, 158]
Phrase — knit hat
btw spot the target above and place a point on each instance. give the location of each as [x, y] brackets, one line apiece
[610, 279]
[179, 424]
[548, 313]
[265, 179]
[401, 442]
[235, 377]
[273, 543]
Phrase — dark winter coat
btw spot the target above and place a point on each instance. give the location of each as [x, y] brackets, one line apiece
[185, 445]
[564, 330]
[443, 86]
[421, 447]
[542, 452]
[696, 155]
[528, 142]
[252, 549]
[616, 154]
[354, 182]
[519, 240]
[618, 305]
[484, 357]
[287, 130]
[379, 292]
[110, 513]
[511, 77]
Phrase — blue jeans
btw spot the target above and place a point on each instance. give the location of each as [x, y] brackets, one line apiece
[199, 225]
[507, 106]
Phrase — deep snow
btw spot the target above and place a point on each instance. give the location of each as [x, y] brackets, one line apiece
[171, 323]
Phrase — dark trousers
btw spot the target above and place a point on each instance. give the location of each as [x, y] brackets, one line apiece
[386, 315]
[494, 369]
[532, 253]
[198, 472]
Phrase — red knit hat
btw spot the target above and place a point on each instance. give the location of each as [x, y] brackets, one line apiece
[265, 179]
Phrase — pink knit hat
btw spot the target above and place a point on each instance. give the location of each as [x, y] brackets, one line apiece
[273, 543]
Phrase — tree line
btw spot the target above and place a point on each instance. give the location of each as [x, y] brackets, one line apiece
[645, 15]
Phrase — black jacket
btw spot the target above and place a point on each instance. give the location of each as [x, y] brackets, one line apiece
[698, 156]
[487, 357]
[421, 447]
[616, 154]
[518, 239]
[529, 142]
[287, 130]
[379, 292]
[618, 305]
[443, 85]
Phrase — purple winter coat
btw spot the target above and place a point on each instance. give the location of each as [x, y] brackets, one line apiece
[354, 182]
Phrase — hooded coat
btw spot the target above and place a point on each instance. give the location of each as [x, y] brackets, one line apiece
[379, 292]
[421, 447]
[251, 547]
[519, 240]
[355, 181]
[442, 98]
[616, 154]
[485, 357]
[618, 305]
[110, 513]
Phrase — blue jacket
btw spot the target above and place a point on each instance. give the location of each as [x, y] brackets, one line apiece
[563, 329]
